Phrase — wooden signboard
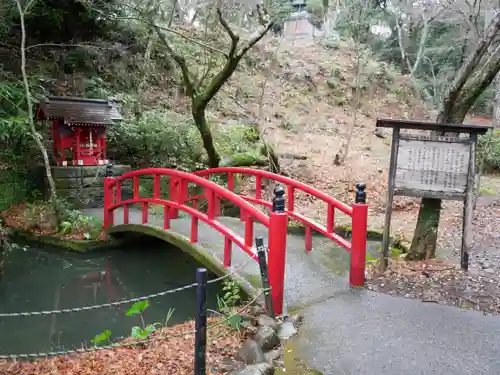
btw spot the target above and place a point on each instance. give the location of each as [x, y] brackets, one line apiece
[433, 166]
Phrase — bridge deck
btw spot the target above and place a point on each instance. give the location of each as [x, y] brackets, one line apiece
[311, 277]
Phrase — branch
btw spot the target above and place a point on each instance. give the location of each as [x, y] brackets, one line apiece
[231, 64]
[255, 39]
[472, 91]
[468, 68]
[29, 102]
[234, 38]
[180, 60]
[63, 45]
[421, 47]
[168, 29]
[467, 18]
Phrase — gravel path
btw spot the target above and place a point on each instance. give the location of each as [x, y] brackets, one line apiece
[443, 281]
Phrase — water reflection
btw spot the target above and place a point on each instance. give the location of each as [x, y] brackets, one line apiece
[36, 279]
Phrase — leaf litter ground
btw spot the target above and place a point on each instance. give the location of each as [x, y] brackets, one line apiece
[442, 281]
[173, 355]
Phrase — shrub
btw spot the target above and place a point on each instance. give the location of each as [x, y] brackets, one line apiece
[157, 139]
[489, 151]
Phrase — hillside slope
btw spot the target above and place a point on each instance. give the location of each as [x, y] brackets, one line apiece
[299, 91]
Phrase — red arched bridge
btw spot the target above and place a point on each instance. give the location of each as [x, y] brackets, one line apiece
[198, 196]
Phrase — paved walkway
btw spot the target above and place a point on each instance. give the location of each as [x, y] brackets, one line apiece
[365, 333]
[358, 332]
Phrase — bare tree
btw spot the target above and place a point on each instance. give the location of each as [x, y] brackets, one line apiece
[473, 77]
[358, 16]
[201, 91]
[414, 20]
[22, 10]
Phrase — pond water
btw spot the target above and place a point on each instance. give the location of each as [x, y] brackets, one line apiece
[35, 279]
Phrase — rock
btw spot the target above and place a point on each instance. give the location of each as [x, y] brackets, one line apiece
[379, 133]
[272, 355]
[229, 364]
[266, 338]
[266, 320]
[258, 369]
[295, 319]
[250, 353]
[257, 310]
[287, 330]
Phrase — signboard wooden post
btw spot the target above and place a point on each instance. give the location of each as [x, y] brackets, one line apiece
[433, 166]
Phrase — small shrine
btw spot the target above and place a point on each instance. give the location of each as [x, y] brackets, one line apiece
[79, 128]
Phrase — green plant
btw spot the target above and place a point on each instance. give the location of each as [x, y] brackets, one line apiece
[101, 337]
[373, 259]
[232, 295]
[228, 302]
[73, 221]
[137, 332]
[489, 151]
[146, 330]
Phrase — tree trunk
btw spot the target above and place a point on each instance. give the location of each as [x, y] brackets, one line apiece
[206, 136]
[37, 137]
[423, 245]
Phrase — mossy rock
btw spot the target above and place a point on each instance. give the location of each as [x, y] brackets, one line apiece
[297, 228]
[243, 159]
[80, 246]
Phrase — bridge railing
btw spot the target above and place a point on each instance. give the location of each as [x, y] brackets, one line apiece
[358, 213]
[179, 200]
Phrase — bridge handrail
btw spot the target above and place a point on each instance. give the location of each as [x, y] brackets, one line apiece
[282, 179]
[291, 185]
[190, 177]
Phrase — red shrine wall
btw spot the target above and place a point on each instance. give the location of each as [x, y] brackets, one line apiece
[79, 145]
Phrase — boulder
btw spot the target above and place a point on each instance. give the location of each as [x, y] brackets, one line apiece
[272, 355]
[266, 320]
[257, 310]
[266, 338]
[286, 330]
[258, 369]
[250, 353]
[295, 319]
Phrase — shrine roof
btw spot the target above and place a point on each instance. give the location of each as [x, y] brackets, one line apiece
[427, 125]
[78, 111]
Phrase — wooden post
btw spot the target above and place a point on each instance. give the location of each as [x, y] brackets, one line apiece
[200, 341]
[468, 206]
[264, 275]
[390, 198]
[358, 242]
[76, 150]
[278, 229]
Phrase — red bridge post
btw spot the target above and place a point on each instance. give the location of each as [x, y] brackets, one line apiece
[278, 228]
[358, 242]
[108, 201]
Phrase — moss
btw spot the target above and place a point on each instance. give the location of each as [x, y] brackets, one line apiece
[296, 227]
[80, 246]
[371, 234]
[254, 280]
[243, 159]
[376, 235]
[292, 364]
[487, 191]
